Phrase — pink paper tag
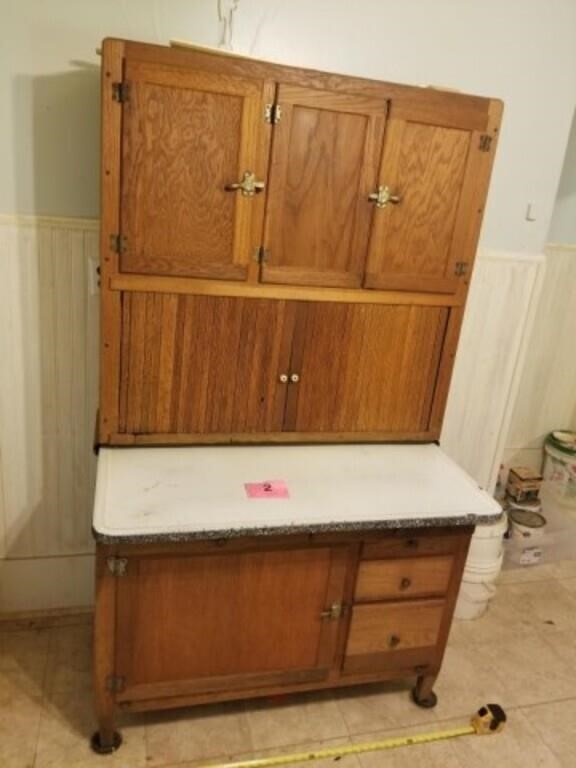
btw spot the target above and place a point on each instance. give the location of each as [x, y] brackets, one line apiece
[269, 489]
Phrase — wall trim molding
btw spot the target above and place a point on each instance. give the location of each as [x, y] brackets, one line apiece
[25, 220]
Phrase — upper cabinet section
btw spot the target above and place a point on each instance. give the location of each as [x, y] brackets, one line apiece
[325, 155]
[193, 153]
[252, 173]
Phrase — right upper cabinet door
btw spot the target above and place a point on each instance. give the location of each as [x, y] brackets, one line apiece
[428, 199]
[359, 368]
[325, 156]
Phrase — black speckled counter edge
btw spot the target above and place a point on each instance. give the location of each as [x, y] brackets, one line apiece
[286, 530]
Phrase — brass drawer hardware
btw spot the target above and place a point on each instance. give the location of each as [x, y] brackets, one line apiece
[283, 378]
[294, 378]
[334, 612]
[248, 186]
[393, 641]
[383, 196]
[411, 544]
[405, 583]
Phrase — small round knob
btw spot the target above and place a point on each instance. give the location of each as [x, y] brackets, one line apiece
[294, 378]
[283, 378]
[412, 543]
[393, 641]
[405, 583]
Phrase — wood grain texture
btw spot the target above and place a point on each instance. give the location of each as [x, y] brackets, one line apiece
[110, 175]
[206, 365]
[104, 644]
[233, 616]
[409, 577]
[324, 162]
[364, 368]
[411, 242]
[394, 627]
[462, 109]
[186, 135]
[182, 285]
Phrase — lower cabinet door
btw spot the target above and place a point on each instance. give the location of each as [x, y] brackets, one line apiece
[384, 637]
[194, 624]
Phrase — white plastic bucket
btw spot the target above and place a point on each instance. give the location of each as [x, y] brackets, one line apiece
[527, 528]
[560, 474]
[482, 567]
[486, 545]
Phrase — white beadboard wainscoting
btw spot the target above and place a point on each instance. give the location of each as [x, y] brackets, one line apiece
[547, 397]
[48, 396]
[488, 370]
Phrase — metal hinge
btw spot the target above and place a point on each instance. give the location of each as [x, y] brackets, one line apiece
[117, 565]
[121, 91]
[273, 113]
[115, 683]
[460, 268]
[261, 254]
[118, 243]
[485, 143]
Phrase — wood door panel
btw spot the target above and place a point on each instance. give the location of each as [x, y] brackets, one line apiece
[364, 367]
[246, 616]
[325, 155]
[414, 577]
[394, 627]
[186, 135]
[411, 242]
[196, 364]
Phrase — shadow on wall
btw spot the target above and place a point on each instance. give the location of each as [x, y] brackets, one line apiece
[57, 142]
[49, 317]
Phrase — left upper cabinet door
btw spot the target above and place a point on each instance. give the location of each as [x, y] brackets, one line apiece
[324, 163]
[186, 137]
[200, 365]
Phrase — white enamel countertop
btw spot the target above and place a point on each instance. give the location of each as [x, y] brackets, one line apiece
[199, 492]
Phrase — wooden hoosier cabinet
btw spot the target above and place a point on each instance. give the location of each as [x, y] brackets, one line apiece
[285, 258]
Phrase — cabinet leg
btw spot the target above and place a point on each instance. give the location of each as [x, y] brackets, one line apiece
[422, 693]
[105, 740]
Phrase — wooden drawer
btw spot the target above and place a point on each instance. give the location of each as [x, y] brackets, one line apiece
[406, 545]
[404, 577]
[393, 627]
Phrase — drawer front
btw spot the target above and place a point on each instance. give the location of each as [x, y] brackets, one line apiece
[390, 628]
[404, 577]
[411, 546]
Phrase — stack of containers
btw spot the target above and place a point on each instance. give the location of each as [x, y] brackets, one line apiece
[482, 568]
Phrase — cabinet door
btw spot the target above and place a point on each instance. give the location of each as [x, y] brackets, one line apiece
[418, 236]
[364, 368]
[201, 623]
[186, 136]
[325, 154]
[198, 364]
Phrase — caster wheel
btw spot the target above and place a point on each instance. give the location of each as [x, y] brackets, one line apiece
[428, 703]
[107, 749]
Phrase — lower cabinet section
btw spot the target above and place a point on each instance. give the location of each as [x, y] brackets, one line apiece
[184, 623]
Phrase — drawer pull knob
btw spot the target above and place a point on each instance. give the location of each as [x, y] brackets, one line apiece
[393, 641]
[405, 583]
[412, 543]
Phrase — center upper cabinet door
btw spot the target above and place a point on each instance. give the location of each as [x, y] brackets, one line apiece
[325, 155]
[186, 136]
[425, 180]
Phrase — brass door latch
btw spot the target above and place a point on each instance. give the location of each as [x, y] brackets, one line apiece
[334, 612]
[248, 187]
[383, 196]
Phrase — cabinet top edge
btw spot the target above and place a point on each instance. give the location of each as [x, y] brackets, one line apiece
[189, 53]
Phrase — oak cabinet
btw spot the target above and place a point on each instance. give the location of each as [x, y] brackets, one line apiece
[204, 365]
[187, 135]
[325, 153]
[225, 622]
[285, 254]
[194, 622]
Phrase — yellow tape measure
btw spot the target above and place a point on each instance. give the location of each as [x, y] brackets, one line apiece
[489, 719]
